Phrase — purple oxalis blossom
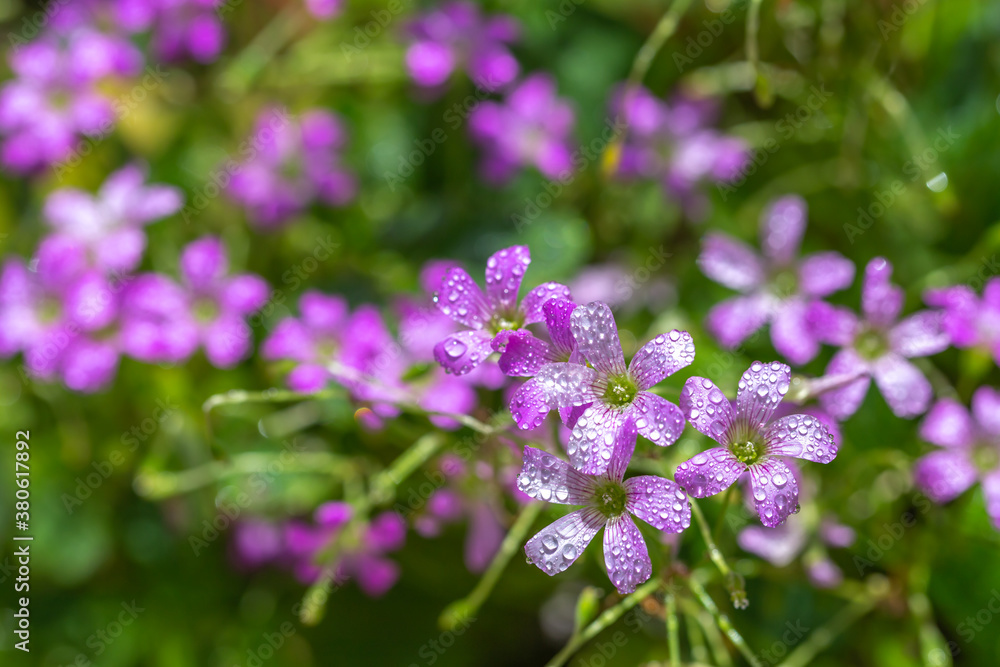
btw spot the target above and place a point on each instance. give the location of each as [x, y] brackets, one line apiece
[166, 321]
[188, 29]
[970, 321]
[487, 315]
[970, 450]
[608, 502]
[751, 442]
[531, 128]
[613, 393]
[296, 163]
[778, 287]
[673, 143]
[878, 345]
[523, 354]
[455, 35]
[109, 225]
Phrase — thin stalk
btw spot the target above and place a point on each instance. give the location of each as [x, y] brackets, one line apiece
[605, 620]
[466, 608]
[722, 621]
[713, 551]
[823, 636]
[722, 512]
[673, 628]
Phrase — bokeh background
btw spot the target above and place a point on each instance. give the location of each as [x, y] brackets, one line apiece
[895, 74]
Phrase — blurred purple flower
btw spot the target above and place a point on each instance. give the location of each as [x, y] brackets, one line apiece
[487, 315]
[751, 442]
[673, 144]
[613, 393]
[531, 128]
[970, 450]
[295, 163]
[970, 321]
[164, 321]
[324, 10]
[188, 29]
[455, 35]
[778, 287]
[109, 225]
[608, 502]
[878, 345]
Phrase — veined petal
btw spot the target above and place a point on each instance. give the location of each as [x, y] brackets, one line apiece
[555, 547]
[624, 448]
[545, 477]
[844, 401]
[657, 419]
[659, 502]
[782, 225]
[707, 408]
[558, 312]
[944, 474]
[824, 273]
[664, 355]
[903, 386]
[801, 436]
[730, 262]
[461, 299]
[881, 301]
[521, 354]
[529, 406]
[761, 388]
[461, 352]
[592, 442]
[567, 384]
[948, 424]
[625, 554]
[920, 335]
[775, 491]
[533, 301]
[504, 273]
[710, 472]
[596, 337]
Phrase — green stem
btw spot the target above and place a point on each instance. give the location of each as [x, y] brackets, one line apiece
[713, 551]
[673, 628]
[823, 636]
[605, 620]
[762, 89]
[462, 610]
[722, 621]
[238, 77]
[722, 512]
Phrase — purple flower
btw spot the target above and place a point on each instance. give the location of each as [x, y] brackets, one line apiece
[878, 345]
[109, 225]
[612, 393]
[531, 128]
[778, 287]
[296, 163]
[455, 35]
[608, 502]
[523, 355]
[486, 315]
[165, 321]
[188, 28]
[324, 10]
[751, 442]
[970, 450]
[62, 317]
[783, 544]
[674, 145]
[970, 321]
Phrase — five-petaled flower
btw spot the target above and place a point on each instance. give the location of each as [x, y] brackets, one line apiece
[878, 346]
[778, 287]
[750, 441]
[611, 392]
[487, 315]
[971, 450]
[607, 501]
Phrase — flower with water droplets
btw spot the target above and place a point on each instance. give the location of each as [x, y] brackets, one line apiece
[970, 320]
[522, 354]
[879, 345]
[487, 315]
[612, 392]
[970, 450]
[751, 443]
[608, 501]
[778, 287]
